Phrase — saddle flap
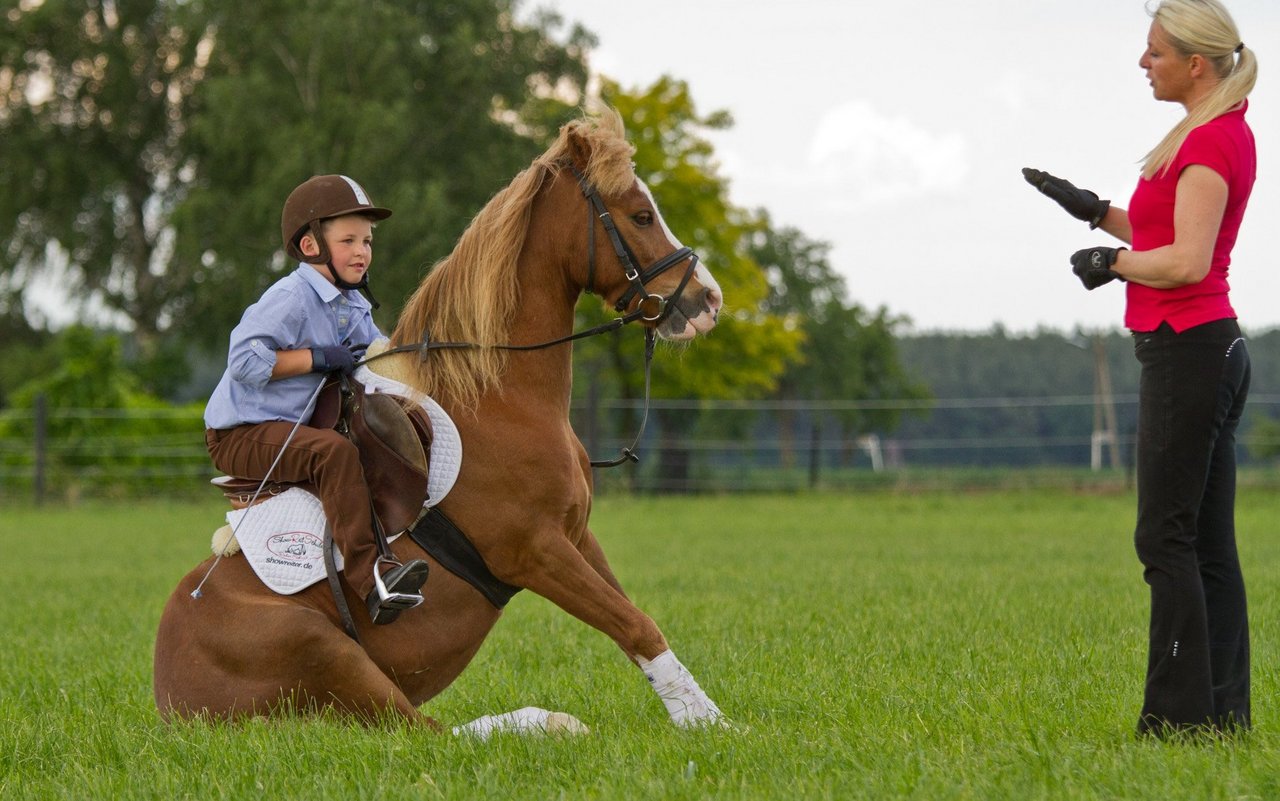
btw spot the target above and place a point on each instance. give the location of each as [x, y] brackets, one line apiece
[393, 454]
[388, 418]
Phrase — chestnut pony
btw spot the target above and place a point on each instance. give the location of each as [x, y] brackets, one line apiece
[523, 495]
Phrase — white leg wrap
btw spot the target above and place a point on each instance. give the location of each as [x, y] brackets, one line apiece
[685, 701]
[529, 720]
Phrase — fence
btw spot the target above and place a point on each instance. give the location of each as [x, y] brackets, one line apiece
[688, 446]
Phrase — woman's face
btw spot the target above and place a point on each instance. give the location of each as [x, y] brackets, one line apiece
[1168, 70]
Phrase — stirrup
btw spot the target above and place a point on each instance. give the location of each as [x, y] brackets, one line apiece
[385, 605]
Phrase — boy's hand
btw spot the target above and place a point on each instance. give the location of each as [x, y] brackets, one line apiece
[332, 359]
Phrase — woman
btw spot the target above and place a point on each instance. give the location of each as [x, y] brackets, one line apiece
[1182, 223]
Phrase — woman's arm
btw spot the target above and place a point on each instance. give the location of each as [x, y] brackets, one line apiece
[1116, 223]
[1200, 203]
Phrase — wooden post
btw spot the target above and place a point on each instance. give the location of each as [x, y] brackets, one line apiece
[815, 454]
[41, 424]
[1104, 408]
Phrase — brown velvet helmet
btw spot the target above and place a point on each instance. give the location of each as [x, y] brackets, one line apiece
[322, 197]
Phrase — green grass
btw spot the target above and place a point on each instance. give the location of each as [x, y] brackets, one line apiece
[921, 645]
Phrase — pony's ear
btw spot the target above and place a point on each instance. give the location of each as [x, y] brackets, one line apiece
[579, 148]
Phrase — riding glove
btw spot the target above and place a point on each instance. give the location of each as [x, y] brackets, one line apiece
[332, 359]
[1079, 203]
[1093, 266]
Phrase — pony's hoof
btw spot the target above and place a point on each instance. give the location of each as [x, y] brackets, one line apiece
[564, 723]
[529, 720]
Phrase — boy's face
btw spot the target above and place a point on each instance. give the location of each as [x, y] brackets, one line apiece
[350, 241]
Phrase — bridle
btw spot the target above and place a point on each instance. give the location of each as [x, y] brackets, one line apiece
[651, 308]
[627, 258]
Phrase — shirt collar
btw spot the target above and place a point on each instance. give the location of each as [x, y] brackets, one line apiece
[327, 291]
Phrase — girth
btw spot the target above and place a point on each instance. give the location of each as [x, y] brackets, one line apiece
[444, 541]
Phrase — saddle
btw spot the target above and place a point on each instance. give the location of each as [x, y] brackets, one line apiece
[393, 436]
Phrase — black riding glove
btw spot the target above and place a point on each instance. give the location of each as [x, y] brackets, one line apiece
[333, 359]
[1093, 266]
[1079, 203]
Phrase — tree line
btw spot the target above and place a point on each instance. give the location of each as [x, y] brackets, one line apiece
[1045, 365]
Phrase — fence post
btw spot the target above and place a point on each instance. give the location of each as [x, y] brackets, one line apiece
[41, 424]
[815, 454]
[593, 415]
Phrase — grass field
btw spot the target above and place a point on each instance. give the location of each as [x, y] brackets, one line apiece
[981, 645]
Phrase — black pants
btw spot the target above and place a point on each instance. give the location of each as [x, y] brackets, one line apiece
[1193, 389]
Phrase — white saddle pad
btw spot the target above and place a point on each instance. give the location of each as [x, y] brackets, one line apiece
[283, 539]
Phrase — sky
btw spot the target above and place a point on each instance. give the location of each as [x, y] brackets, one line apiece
[896, 133]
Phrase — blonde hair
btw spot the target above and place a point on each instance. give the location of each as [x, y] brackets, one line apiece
[1204, 28]
[472, 294]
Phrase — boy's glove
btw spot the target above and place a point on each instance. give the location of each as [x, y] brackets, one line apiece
[1079, 203]
[1093, 266]
[332, 359]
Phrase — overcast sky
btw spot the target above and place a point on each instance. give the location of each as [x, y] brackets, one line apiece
[896, 132]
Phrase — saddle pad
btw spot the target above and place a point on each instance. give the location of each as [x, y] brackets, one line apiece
[446, 443]
[283, 539]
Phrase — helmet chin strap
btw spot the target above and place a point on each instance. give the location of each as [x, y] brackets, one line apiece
[317, 235]
[363, 285]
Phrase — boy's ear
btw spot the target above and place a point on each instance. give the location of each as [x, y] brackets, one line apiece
[308, 245]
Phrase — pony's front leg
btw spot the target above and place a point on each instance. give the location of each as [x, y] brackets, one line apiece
[582, 583]
[685, 701]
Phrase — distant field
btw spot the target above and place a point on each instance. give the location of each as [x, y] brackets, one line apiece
[927, 645]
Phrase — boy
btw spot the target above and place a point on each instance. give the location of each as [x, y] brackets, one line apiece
[309, 323]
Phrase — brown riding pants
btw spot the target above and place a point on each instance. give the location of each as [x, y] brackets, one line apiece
[320, 456]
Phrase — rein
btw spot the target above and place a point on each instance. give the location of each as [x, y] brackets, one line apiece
[643, 310]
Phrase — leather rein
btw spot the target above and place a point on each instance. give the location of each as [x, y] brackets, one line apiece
[651, 308]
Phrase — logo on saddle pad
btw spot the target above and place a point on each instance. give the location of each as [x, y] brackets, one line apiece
[296, 549]
[283, 539]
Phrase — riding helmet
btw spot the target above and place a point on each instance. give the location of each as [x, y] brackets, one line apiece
[322, 197]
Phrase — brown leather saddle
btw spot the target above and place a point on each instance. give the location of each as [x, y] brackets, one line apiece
[393, 435]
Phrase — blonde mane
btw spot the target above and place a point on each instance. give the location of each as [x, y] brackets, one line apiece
[471, 294]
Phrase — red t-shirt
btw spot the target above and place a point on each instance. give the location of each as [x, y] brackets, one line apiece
[1224, 145]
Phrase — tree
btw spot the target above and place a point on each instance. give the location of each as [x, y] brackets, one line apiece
[93, 109]
[850, 353]
[149, 144]
[749, 349]
[432, 106]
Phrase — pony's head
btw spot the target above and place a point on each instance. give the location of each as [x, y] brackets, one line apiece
[633, 261]
[546, 215]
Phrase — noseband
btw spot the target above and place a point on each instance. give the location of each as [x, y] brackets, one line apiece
[653, 308]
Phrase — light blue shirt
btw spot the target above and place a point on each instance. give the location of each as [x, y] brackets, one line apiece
[301, 310]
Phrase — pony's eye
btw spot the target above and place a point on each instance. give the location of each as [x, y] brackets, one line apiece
[642, 218]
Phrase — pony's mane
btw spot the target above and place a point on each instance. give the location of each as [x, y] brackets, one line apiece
[471, 294]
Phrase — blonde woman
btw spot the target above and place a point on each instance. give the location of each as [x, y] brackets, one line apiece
[1181, 225]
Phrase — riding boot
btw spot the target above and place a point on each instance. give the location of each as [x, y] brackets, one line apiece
[397, 591]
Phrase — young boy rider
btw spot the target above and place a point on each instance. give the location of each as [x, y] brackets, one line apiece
[311, 322]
